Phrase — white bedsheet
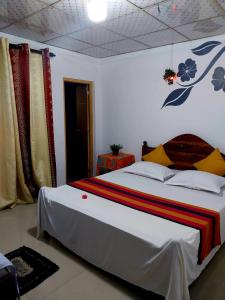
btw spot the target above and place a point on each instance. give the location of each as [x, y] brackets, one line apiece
[146, 250]
[4, 262]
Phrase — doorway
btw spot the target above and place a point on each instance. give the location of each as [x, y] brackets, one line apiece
[78, 128]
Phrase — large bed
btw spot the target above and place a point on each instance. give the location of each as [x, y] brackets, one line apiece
[145, 250]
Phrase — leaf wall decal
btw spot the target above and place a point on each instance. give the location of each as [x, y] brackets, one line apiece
[205, 48]
[177, 97]
[211, 64]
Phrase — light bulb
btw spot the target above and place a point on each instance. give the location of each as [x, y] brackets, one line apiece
[97, 10]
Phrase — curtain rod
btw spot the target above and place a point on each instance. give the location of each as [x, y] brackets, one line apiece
[15, 46]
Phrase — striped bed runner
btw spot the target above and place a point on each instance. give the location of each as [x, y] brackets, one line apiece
[205, 220]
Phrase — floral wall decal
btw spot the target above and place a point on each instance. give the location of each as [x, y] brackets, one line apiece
[177, 97]
[219, 79]
[205, 48]
[188, 70]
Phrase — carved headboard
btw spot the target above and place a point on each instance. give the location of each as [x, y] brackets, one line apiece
[184, 150]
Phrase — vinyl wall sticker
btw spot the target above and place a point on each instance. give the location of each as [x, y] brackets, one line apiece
[188, 70]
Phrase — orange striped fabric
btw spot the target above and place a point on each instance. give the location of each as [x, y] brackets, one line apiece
[205, 220]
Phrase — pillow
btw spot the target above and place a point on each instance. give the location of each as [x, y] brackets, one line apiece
[151, 170]
[198, 180]
[213, 163]
[159, 156]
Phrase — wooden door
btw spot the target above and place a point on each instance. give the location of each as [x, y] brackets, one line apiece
[77, 130]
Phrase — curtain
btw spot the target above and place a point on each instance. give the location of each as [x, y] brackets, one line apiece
[21, 79]
[39, 134]
[49, 112]
[7, 135]
[27, 156]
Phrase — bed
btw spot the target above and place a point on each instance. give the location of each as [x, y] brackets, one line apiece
[8, 279]
[145, 250]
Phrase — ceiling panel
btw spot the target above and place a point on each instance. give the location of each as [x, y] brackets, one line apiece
[222, 3]
[11, 10]
[97, 35]
[134, 24]
[68, 43]
[5, 21]
[144, 3]
[115, 8]
[30, 32]
[161, 38]
[76, 9]
[71, 6]
[184, 11]
[125, 46]
[57, 20]
[120, 8]
[49, 1]
[203, 28]
[99, 52]
[131, 25]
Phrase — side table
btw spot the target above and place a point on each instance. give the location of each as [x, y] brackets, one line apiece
[109, 162]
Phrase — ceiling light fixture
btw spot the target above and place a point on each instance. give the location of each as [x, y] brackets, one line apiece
[97, 10]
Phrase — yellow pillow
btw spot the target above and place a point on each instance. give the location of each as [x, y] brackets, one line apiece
[159, 156]
[213, 163]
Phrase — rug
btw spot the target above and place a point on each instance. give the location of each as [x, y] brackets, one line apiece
[31, 267]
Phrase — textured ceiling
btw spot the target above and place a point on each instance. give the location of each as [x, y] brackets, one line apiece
[131, 25]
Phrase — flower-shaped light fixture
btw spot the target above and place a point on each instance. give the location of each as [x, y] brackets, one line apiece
[218, 79]
[169, 76]
[97, 10]
[187, 70]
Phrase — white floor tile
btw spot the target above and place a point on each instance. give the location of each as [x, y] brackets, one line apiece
[78, 280]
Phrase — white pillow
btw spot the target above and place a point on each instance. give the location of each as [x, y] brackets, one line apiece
[151, 170]
[198, 180]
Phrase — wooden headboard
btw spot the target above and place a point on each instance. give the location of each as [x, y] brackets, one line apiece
[184, 150]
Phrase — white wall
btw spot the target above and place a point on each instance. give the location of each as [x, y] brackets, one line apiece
[134, 91]
[129, 93]
[72, 65]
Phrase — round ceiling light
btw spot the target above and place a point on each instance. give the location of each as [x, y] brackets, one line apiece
[97, 10]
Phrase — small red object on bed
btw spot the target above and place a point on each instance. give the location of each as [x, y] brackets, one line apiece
[84, 196]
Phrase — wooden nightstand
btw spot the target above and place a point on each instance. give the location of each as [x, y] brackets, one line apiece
[108, 162]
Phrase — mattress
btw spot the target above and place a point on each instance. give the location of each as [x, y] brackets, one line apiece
[148, 251]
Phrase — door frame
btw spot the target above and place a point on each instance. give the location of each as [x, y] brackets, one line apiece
[90, 95]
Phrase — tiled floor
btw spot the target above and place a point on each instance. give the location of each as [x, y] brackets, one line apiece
[78, 280]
